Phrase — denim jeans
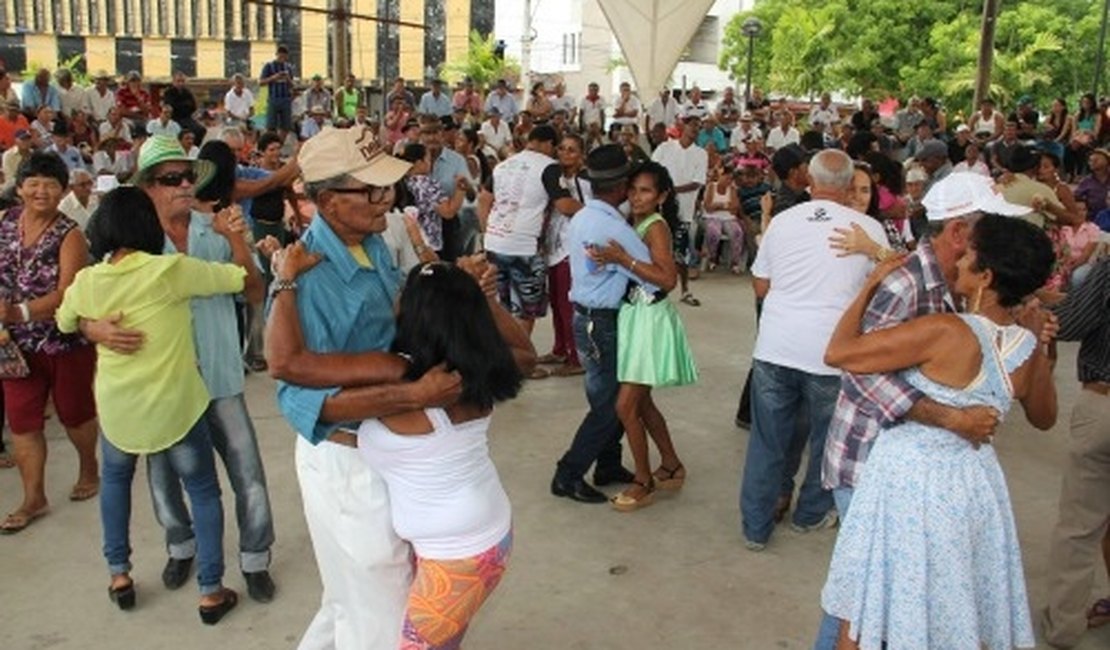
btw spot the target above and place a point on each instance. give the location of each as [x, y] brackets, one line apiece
[599, 436]
[778, 394]
[234, 439]
[191, 459]
[830, 625]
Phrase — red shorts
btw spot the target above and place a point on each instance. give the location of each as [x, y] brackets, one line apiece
[67, 376]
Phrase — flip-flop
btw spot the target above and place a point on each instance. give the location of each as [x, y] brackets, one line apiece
[1099, 614]
[689, 299]
[17, 521]
[84, 492]
[539, 372]
[6, 461]
[568, 370]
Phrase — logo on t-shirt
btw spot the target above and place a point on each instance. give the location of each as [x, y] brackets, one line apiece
[819, 215]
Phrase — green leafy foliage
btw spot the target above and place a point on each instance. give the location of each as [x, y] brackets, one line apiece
[878, 48]
[481, 64]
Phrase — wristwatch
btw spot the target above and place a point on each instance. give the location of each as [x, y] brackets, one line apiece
[282, 285]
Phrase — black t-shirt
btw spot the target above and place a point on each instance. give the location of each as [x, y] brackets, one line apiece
[182, 102]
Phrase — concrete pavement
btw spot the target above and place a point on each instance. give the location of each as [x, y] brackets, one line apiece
[582, 577]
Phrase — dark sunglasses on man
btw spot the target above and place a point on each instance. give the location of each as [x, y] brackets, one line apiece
[175, 179]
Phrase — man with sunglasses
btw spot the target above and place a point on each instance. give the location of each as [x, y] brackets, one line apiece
[171, 179]
[344, 305]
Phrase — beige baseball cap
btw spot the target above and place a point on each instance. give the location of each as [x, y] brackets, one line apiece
[355, 152]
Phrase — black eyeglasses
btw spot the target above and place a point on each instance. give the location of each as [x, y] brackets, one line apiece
[373, 193]
[175, 179]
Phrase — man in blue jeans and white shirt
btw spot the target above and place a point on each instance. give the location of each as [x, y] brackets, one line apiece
[806, 286]
[597, 292]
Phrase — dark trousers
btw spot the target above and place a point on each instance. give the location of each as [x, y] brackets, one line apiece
[598, 437]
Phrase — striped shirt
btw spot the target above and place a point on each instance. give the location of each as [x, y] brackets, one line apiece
[868, 403]
[343, 307]
[1085, 316]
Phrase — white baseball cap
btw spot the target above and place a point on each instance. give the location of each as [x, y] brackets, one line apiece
[332, 152]
[964, 193]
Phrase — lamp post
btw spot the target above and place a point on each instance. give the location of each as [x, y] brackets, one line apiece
[751, 28]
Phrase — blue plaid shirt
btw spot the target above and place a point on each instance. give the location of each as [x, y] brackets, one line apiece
[869, 403]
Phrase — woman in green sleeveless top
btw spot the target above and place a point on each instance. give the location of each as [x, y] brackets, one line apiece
[652, 349]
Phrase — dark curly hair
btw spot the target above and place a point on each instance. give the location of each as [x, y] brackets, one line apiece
[444, 318]
[1017, 253]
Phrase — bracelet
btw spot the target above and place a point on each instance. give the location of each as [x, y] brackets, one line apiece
[632, 266]
[282, 285]
[420, 248]
[25, 311]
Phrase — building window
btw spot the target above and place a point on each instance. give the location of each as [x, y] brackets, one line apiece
[19, 20]
[110, 25]
[229, 19]
[213, 19]
[245, 10]
[179, 28]
[260, 12]
[128, 17]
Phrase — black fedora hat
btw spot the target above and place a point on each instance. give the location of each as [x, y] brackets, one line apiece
[608, 163]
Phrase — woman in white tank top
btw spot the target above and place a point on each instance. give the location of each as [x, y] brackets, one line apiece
[445, 495]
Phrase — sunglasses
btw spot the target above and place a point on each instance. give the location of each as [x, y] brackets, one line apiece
[373, 193]
[175, 179]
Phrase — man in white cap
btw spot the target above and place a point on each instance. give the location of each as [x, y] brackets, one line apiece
[867, 404]
[345, 305]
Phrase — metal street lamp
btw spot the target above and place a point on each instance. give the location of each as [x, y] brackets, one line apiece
[751, 28]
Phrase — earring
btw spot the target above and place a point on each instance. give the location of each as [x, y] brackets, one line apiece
[975, 304]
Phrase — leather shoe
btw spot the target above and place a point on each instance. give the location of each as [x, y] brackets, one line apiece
[576, 490]
[260, 585]
[176, 572]
[612, 476]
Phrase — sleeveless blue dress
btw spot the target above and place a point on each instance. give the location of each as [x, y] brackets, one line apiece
[928, 556]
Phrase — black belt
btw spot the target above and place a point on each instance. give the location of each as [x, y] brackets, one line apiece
[595, 311]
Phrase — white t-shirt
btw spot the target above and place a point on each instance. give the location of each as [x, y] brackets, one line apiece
[979, 167]
[827, 116]
[689, 108]
[99, 104]
[239, 106]
[776, 139]
[810, 286]
[556, 237]
[591, 110]
[688, 165]
[496, 138]
[444, 493]
[632, 104]
[566, 103]
[660, 112]
[737, 139]
[519, 202]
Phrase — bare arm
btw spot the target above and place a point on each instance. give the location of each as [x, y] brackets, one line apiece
[250, 188]
[660, 270]
[229, 224]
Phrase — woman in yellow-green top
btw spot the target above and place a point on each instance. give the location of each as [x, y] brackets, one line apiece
[152, 401]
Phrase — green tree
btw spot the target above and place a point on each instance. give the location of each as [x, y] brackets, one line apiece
[481, 64]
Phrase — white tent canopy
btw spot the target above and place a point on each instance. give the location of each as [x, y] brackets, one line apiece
[652, 34]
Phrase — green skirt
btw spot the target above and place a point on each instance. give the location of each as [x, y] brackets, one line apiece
[651, 346]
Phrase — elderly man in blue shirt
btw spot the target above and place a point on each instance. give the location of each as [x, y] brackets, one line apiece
[503, 100]
[597, 292]
[447, 167]
[39, 93]
[344, 304]
[435, 101]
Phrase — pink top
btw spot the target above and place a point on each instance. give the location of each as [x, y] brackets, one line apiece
[1079, 237]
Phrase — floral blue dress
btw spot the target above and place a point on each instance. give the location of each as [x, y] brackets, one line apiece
[928, 555]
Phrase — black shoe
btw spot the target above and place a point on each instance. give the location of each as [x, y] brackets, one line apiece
[123, 597]
[176, 572]
[212, 615]
[577, 490]
[260, 585]
[743, 423]
[603, 477]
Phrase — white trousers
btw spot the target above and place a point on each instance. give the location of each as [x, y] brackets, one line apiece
[365, 568]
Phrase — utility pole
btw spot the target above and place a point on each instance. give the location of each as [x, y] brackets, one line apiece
[1101, 58]
[339, 42]
[986, 52]
[526, 47]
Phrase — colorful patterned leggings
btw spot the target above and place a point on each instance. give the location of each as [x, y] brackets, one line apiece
[446, 594]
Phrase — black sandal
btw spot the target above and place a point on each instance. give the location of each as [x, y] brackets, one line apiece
[123, 597]
[212, 614]
[666, 479]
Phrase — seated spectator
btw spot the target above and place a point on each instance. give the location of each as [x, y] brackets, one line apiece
[783, 132]
[110, 160]
[80, 202]
[722, 207]
[239, 101]
[316, 121]
[42, 127]
[164, 124]
[62, 148]
[132, 101]
[972, 161]
[11, 121]
[15, 156]
[116, 127]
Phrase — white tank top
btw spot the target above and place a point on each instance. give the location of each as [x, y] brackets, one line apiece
[444, 492]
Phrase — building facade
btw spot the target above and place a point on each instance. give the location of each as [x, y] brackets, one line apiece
[214, 39]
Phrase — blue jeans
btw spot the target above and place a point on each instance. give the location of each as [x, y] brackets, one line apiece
[599, 436]
[191, 459]
[234, 439]
[830, 625]
[778, 394]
